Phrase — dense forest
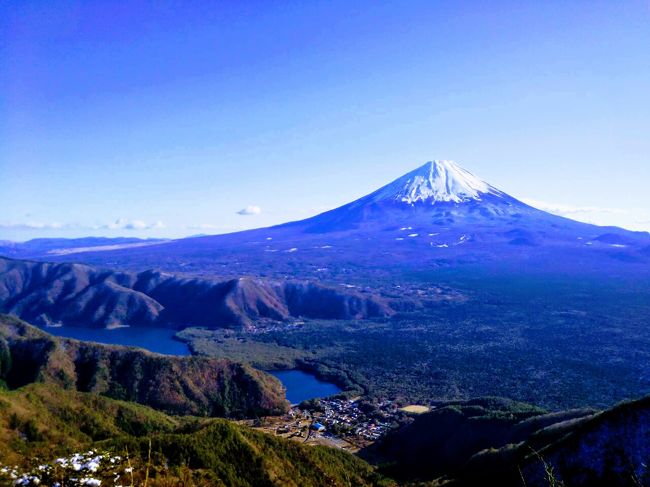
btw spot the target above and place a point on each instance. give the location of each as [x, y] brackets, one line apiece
[577, 343]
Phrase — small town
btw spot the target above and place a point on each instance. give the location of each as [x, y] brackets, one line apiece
[350, 424]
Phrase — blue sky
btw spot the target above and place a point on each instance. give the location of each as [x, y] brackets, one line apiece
[170, 118]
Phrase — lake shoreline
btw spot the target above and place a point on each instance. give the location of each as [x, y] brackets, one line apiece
[303, 386]
[301, 383]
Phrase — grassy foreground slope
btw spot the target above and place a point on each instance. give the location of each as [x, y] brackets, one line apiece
[176, 385]
[39, 423]
[42, 421]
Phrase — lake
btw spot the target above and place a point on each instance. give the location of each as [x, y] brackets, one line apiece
[302, 385]
[159, 340]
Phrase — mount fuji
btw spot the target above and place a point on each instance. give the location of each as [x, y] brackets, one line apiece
[436, 216]
[437, 192]
[436, 182]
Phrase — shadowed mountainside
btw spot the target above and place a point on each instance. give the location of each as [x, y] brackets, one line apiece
[494, 441]
[611, 448]
[80, 295]
[176, 385]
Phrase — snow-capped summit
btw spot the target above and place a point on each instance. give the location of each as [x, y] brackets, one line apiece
[436, 182]
[439, 191]
[432, 218]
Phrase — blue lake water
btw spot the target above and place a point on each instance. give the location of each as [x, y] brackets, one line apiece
[302, 386]
[159, 340]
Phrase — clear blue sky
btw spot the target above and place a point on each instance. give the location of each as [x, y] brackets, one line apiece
[168, 118]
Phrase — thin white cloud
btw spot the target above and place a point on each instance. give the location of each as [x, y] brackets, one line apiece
[212, 226]
[204, 226]
[119, 224]
[126, 224]
[569, 210]
[250, 210]
[32, 225]
[315, 210]
[631, 219]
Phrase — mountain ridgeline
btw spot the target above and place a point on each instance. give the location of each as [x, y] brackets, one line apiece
[175, 385]
[493, 441]
[80, 295]
[486, 296]
[436, 216]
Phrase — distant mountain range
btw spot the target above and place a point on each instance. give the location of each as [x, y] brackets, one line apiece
[382, 256]
[41, 247]
[341, 264]
[76, 294]
[438, 215]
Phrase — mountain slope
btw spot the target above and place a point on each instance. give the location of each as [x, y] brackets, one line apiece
[239, 456]
[442, 441]
[498, 442]
[438, 192]
[42, 422]
[611, 448]
[42, 414]
[438, 215]
[80, 295]
[176, 385]
[436, 182]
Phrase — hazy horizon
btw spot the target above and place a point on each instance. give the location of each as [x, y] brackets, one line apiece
[123, 228]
